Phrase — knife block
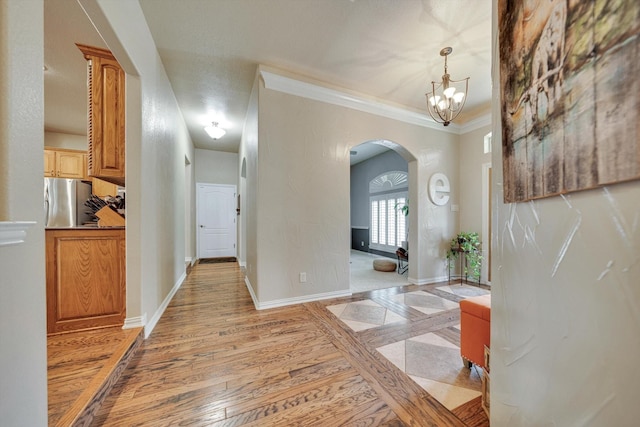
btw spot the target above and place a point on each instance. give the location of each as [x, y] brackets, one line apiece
[107, 217]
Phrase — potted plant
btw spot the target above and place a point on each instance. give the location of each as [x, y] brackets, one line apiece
[404, 209]
[469, 244]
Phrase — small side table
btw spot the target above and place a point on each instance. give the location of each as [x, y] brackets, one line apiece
[403, 260]
[463, 261]
[486, 382]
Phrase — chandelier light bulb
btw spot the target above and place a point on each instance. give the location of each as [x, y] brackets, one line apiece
[458, 97]
[448, 92]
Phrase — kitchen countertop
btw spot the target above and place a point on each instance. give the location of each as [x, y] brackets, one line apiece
[87, 227]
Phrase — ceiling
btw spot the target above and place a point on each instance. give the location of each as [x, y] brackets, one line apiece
[387, 50]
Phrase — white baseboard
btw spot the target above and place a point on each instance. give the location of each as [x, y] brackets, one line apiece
[190, 260]
[242, 263]
[250, 289]
[291, 301]
[135, 322]
[156, 317]
[427, 280]
[301, 299]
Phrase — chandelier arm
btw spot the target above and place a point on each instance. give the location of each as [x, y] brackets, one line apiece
[435, 111]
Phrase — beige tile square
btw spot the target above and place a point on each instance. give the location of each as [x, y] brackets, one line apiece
[425, 302]
[434, 339]
[365, 314]
[463, 290]
[435, 364]
[449, 395]
[394, 353]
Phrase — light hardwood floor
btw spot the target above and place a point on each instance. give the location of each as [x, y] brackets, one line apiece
[214, 360]
[82, 367]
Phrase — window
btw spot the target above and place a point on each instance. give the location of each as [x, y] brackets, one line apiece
[388, 192]
[487, 143]
[388, 223]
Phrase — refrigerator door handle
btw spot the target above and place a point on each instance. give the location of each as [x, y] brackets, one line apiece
[46, 204]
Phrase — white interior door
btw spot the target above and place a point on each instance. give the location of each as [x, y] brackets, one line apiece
[216, 220]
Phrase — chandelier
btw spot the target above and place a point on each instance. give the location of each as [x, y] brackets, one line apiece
[445, 101]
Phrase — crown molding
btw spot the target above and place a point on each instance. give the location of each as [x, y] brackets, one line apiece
[14, 232]
[316, 92]
[476, 124]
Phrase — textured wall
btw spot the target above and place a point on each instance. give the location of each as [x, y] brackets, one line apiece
[472, 161]
[65, 140]
[23, 345]
[565, 323]
[248, 154]
[303, 195]
[216, 167]
[472, 158]
[433, 226]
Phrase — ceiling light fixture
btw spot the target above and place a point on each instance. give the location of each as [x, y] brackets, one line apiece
[445, 101]
[214, 131]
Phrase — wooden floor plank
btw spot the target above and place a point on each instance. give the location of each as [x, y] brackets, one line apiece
[82, 368]
[214, 360]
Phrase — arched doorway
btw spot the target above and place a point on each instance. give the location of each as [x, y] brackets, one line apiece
[379, 188]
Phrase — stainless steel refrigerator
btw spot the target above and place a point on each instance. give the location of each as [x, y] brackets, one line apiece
[64, 202]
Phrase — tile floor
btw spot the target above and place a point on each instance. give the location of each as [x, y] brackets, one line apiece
[365, 314]
[435, 364]
[425, 302]
[429, 359]
[464, 291]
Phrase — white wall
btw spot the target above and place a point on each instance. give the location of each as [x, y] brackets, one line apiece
[303, 195]
[157, 144]
[565, 321]
[472, 158]
[472, 161]
[190, 211]
[216, 167]
[23, 345]
[249, 185]
[65, 140]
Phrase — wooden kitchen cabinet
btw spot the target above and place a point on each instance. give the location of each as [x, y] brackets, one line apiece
[86, 283]
[106, 115]
[50, 167]
[103, 189]
[61, 163]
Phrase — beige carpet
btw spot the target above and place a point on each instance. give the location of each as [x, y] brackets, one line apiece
[365, 278]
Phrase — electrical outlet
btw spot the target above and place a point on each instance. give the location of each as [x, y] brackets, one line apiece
[303, 277]
[362, 243]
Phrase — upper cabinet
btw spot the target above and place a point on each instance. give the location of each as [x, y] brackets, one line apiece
[106, 115]
[59, 163]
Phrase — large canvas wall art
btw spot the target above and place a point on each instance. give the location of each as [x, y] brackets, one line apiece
[570, 88]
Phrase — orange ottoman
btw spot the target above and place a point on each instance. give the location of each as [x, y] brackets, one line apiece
[475, 329]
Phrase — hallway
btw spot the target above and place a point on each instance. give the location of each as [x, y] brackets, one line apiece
[214, 360]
